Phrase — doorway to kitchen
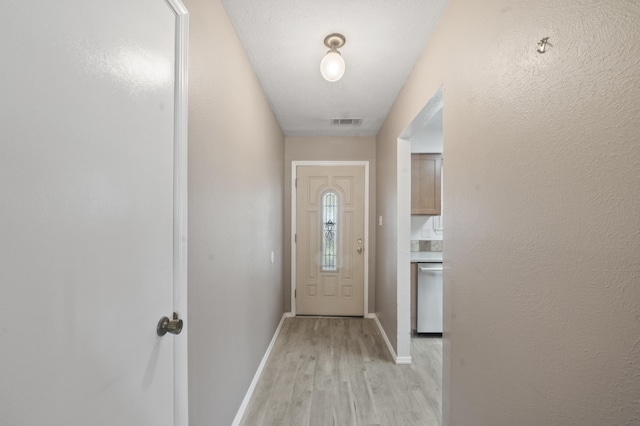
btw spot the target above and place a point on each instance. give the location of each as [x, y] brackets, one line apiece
[416, 137]
[329, 255]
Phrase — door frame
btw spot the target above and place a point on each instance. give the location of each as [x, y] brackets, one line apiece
[294, 198]
[403, 224]
[180, 203]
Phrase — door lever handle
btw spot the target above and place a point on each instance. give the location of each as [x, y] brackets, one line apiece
[165, 325]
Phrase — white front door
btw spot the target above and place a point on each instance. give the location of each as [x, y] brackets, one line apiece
[88, 253]
[330, 240]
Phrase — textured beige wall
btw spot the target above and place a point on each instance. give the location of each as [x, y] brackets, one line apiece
[236, 183]
[300, 148]
[542, 194]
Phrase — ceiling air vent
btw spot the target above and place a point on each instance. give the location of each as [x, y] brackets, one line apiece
[346, 121]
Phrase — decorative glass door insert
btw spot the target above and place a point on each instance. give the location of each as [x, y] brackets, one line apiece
[329, 231]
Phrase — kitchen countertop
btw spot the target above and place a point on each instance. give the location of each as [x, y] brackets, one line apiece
[426, 256]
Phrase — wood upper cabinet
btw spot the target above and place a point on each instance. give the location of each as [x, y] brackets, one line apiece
[425, 184]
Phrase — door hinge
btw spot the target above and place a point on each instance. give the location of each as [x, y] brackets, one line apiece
[296, 184]
[295, 238]
[295, 293]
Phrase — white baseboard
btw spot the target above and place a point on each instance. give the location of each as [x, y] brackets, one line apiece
[384, 336]
[256, 377]
[405, 360]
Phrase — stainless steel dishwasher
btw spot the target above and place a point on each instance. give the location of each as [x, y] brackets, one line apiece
[429, 309]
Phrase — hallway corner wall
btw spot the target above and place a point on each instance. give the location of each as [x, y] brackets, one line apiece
[541, 199]
[236, 178]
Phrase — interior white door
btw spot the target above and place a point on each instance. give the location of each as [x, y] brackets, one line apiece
[87, 212]
[330, 240]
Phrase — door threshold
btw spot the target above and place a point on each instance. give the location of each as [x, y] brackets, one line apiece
[328, 316]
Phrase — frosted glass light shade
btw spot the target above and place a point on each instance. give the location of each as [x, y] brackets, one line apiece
[332, 66]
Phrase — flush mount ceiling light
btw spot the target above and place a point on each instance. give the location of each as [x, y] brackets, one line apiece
[332, 65]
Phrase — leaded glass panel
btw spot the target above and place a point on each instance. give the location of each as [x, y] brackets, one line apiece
[329, 231]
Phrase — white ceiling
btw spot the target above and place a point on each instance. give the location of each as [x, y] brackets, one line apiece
[284, 42]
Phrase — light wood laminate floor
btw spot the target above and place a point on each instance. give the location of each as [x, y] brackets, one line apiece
[337, 371]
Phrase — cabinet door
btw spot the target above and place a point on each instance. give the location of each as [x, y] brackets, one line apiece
[425, 184]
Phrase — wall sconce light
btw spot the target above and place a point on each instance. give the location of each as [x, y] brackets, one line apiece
[332, 65]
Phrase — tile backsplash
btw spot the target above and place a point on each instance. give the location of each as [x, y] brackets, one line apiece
[426, 245]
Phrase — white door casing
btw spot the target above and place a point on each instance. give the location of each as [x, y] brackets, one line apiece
[93, 230]
[320, 291]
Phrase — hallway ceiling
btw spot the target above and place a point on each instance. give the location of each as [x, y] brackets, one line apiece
[284, 42]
